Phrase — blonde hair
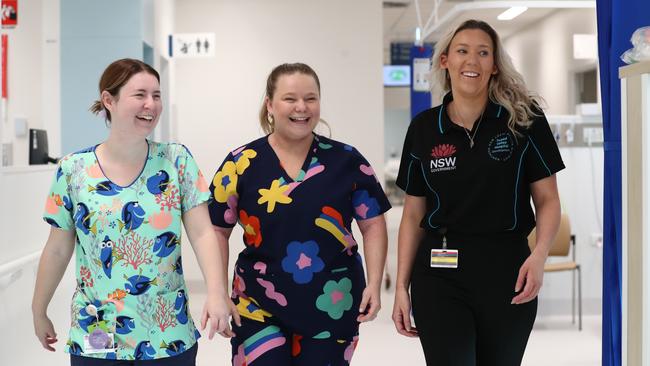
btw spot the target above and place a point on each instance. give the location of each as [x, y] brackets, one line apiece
[507, 87]
[271, 84]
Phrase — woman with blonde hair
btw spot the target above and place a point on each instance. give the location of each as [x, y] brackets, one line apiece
[469, 169]
[299, 283]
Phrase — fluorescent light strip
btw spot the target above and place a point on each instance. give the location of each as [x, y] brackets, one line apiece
[512, 13]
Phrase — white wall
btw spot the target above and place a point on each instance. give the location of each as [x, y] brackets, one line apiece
[149, 22]
[163, 25]
[25, 75]
[581, 194]
[217, 100]
[543, 53]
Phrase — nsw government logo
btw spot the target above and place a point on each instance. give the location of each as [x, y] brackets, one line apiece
[501, 146]
[442, 158]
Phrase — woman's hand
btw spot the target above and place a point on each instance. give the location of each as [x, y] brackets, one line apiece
[531, 277]
[370, 301]
[402, 313]
[44, 330]
[219, 309]
[51, 267]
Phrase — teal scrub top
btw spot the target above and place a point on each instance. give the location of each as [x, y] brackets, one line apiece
[128, 256]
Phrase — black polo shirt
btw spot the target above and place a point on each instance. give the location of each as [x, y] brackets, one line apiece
[479, 190]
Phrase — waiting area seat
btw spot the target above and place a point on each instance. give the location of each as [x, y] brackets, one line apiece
[565, 244]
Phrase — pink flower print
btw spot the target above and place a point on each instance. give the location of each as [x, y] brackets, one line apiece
[302, 261]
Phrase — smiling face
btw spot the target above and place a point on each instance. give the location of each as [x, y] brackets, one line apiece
[470, 63]
[136, 109]
[295, 106]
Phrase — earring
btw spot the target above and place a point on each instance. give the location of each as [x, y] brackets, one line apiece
[269, 117]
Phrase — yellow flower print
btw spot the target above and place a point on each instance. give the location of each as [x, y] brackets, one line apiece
[225, 182]
[274, 194]
[242, 160]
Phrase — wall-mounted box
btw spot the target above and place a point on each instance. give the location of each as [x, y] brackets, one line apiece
[20, 126]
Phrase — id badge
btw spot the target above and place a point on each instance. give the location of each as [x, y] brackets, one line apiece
[444, 258]
[99, 341]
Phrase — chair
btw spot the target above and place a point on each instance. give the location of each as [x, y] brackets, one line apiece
[561, 247]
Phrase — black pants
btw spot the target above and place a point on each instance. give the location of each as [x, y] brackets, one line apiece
[187, 358]
[464, 316]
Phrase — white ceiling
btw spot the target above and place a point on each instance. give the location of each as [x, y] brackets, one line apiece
[400, 22]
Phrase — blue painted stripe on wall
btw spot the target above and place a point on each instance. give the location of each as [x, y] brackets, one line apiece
[94, 33]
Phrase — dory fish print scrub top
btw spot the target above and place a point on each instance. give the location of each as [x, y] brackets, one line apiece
[128, 255]
[300, 269]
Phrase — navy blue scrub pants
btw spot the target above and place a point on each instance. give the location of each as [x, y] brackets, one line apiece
[187, 358]
[271, 344]
[464, 316]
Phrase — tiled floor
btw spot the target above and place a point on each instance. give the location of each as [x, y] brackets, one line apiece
[554, 341]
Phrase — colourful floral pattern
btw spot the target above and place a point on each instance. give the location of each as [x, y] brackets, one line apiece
[336, 298]
[275, 194]
[364, 205]
[349, 350]
[225, 182]
[332, 221]
[302, 261]
[300, 264]
[251, 226]
[242, 160]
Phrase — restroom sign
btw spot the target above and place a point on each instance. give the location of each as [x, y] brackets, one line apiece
[192, 45]
[9, 13]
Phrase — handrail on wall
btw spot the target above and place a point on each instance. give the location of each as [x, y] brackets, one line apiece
[9, 272]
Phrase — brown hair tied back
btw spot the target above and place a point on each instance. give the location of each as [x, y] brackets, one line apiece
[116, 75]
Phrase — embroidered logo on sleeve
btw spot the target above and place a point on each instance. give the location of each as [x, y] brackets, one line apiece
[442, 158]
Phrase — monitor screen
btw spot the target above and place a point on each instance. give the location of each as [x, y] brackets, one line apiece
[38, 151]
[397, 75]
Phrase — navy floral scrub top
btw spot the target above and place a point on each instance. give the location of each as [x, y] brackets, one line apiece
[300, 268]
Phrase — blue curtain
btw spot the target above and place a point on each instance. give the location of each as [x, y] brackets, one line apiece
[617, 20]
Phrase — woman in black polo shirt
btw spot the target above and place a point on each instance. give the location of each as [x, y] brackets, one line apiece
[469, 168]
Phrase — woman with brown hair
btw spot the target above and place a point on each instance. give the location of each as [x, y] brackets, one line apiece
[122, 202]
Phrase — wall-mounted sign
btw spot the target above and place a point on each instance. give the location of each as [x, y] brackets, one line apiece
[400, 52]
[421, 74]
[9, 13]
[190, 45]
[397, 75]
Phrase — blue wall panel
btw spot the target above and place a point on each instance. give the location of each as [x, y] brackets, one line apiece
[93, 34]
